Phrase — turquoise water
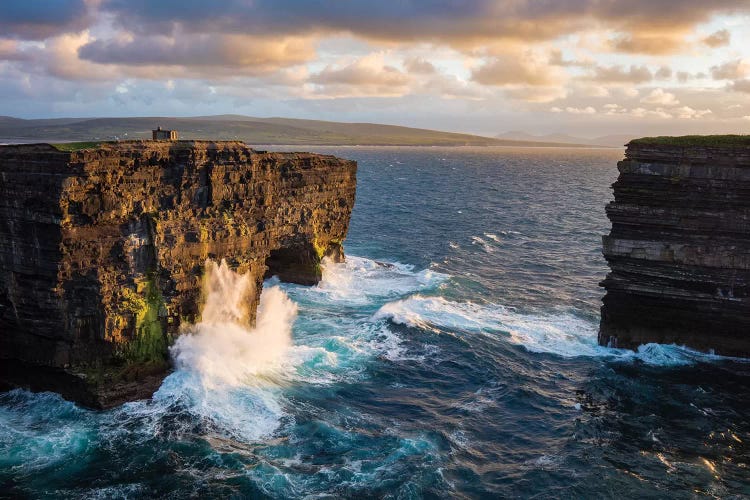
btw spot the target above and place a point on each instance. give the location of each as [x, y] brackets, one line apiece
[453, 355]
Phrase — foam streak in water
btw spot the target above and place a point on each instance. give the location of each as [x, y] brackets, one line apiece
[563, 334]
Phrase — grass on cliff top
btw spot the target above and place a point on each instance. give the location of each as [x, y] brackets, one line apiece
[694, 140]
[77, 146]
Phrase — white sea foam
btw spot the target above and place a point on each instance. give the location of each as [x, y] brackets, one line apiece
[563, 334]
[233, 376]
[221, 349]
[476, 240]
[230, 374]
[359, 281]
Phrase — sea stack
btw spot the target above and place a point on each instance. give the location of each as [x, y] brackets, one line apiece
[103, 248]
[679, 249]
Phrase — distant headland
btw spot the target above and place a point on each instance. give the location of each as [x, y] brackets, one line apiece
[248, 129]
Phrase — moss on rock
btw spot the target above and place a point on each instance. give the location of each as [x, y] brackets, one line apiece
[694, 140]
[150, 343]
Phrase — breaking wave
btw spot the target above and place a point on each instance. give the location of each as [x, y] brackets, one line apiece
[564, 334]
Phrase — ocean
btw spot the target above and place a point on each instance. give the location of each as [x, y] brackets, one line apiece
[453, 355]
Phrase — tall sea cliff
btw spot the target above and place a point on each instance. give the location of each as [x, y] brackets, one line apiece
[679, 248]
[103, 250]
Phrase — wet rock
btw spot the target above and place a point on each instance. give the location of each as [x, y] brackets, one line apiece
[102, 250]
[679, 249]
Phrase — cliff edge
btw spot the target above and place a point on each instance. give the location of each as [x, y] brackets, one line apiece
[679, 249]
[103, 248]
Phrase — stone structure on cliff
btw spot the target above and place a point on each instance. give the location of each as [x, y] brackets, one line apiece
[679, 249]
[102, 250]
[160, 134]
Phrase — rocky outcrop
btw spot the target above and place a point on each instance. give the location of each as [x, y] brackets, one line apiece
[102, 250]
[679, 249]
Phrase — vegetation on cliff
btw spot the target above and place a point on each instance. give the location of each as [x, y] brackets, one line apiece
[150, 342]
[694, 140]
[76, 146]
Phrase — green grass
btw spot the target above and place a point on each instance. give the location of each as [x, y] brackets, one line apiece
[694, 140]
[77, 146]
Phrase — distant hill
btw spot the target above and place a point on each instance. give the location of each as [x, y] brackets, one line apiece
[610, 141]
[249, 129]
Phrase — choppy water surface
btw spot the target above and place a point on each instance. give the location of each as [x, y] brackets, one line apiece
[453, 355]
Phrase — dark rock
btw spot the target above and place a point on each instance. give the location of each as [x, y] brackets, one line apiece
[102, 250]
[679, 249]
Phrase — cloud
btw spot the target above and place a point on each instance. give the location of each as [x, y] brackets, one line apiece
[519, 56]
[418, 65]
[367, 76]
[588, 110]
[649, 113]
[659, 96]
[645, 26]
[664, 43]
[663, 73]
[451, 87]
[614, 109]
[618, 74]
[686, 112]
[35, 20]
[516, 69]
[556, 59]
[536, 94]
[731, 70]
[251, 54]
[718, 39]
[10, 51]
[59, 58]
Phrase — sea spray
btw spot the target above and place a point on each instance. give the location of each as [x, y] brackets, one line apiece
[222, 348]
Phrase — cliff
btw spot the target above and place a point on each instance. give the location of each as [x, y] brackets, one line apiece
[102, 250]
[679, 249]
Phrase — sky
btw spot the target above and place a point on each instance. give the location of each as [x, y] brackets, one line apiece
[582, 67]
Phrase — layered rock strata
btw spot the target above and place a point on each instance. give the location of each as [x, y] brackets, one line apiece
[679, 249]
[102, 250]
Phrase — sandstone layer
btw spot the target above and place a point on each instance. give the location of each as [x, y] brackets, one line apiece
[102, 250]
[679, 249]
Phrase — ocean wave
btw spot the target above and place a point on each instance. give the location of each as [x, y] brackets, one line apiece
[41, 429]
[563, 334]
[359, 281]
[477, 240]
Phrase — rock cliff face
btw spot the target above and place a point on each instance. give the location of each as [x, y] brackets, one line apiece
[102, 250]
[679, 250]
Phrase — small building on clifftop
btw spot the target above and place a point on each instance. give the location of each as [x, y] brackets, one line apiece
[164, 135]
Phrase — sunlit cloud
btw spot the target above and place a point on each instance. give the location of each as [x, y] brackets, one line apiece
[608, 63]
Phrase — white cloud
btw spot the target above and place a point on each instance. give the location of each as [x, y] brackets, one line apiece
[588, 110]
[687, 112]
[660, 97]
[652, 113]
